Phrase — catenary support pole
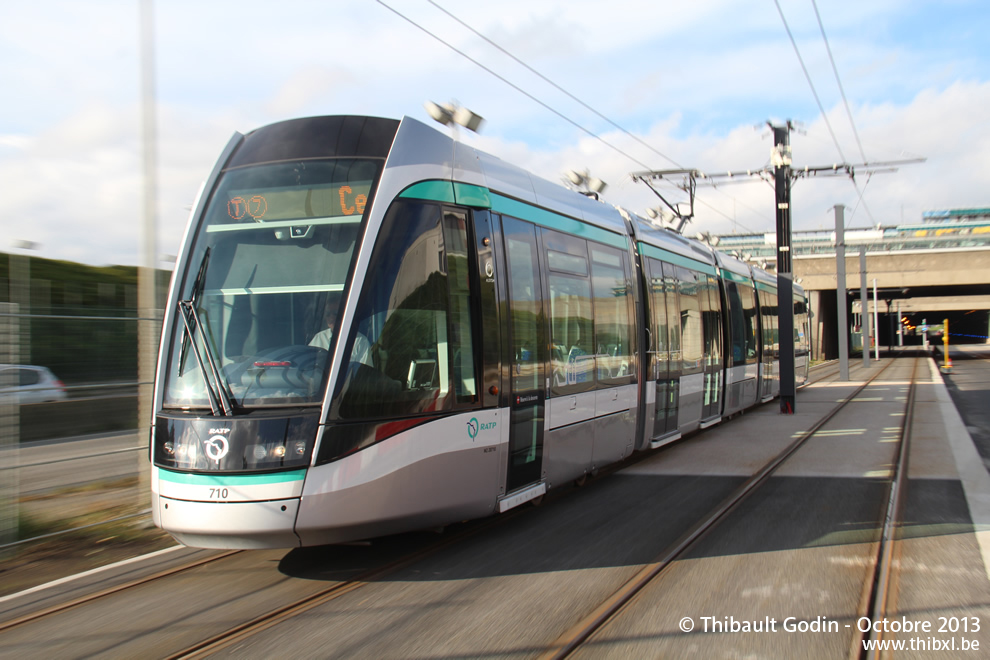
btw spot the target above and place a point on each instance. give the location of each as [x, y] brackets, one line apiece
[864, 301]
[781, 158]
[841, 301]
[148, 325]
[876, 324]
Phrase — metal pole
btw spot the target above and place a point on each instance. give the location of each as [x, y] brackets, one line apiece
[148, 331]
[876, 323]
[841, 300]
[900, 326]
[864, 302]
[781, 158]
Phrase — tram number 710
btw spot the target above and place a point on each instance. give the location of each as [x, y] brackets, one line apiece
[218, 493]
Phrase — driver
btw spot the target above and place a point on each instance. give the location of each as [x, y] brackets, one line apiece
[322, 339]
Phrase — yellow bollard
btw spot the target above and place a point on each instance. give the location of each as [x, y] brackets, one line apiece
[946, 360]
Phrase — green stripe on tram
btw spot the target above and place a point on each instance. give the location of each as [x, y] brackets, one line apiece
[451, 192]
[466, 194]
[735, 277]
[231, 479]
[435, 191]
[652, 251]
[769, 288]
[551, 220]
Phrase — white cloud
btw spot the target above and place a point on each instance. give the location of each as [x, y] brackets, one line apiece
[692, 80]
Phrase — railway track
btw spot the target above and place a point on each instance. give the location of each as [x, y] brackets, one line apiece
[221, 562]
[111, 591]
[567, 644]
[873, 605]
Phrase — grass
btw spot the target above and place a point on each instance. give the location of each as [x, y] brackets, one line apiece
[47, 559]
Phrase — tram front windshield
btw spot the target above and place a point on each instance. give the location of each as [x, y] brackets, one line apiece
[259, 304]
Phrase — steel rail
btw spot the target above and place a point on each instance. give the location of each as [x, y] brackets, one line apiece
[578, 634]
[883, 559]
[82, 600]
[247, 629]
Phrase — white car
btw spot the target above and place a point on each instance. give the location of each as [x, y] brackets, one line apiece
[29, 384]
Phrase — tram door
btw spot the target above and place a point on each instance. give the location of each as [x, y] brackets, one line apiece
[711, 313]
[487, 302]
[527, 354]
[768, 317]
[661, 300]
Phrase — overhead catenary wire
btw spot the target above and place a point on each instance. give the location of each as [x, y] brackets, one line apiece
[556, 86]
[852, 122]
[547, 80]
[513, 85]
[821, 108]
[811, 84]
[842, 92]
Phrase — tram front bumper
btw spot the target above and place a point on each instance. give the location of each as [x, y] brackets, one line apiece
[234, 525]
[228, 510]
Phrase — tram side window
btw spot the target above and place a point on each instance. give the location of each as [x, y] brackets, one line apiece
[659, 309]
[526, 305]
[769, 313]
[748, 297]
[414, 313]
[737, 323]
[802, 342]
[692, 341]
[673, 314]
[613, 329]
[572, 341]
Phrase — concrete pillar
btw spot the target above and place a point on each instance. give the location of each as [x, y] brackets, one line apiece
[842, 322]
[864, 299]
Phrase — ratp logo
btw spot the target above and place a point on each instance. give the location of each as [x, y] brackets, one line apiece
[474, 427]
[216, 447]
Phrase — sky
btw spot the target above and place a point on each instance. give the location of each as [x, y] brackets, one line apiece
[656, 84]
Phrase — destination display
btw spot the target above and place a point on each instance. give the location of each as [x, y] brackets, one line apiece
[298, 202]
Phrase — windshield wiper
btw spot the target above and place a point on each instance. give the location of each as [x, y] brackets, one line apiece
[220, 403]
[198, 286]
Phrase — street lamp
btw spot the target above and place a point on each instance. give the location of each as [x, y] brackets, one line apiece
[451, 114]
[584, 183]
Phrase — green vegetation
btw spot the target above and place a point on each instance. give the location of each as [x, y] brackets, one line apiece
[98, 342]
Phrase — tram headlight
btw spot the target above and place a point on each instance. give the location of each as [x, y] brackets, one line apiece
[169, 448]
[260, 453]
[279, 451]
[300, 448]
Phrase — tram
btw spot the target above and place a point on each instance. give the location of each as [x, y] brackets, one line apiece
[373, 328]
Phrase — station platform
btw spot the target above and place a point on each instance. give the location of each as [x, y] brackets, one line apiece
[802, 547]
